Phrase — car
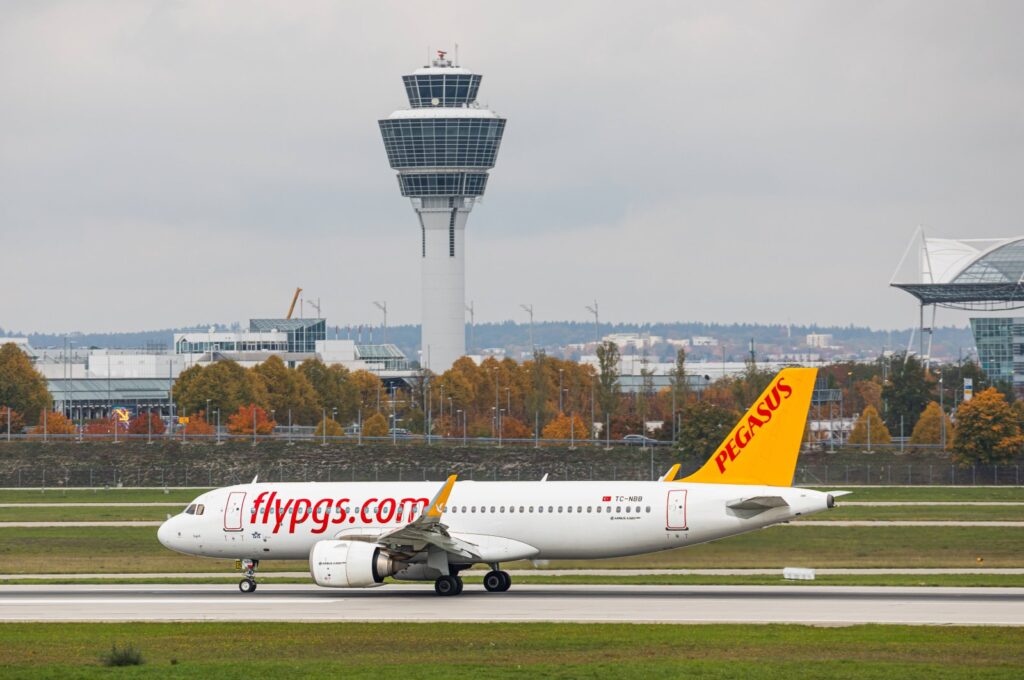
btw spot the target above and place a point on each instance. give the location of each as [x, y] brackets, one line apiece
[638, 440]
[399, 432]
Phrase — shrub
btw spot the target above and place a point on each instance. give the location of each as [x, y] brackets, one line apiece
[122, 656]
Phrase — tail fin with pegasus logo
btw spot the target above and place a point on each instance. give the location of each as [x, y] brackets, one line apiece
[763, 447]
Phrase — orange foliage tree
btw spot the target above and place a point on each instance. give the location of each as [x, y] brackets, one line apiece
[513, 428]
[144, 423]
[13, 418]
[104, 426]
[55, 423]
[564, 427]
[241, 422]
[198, 425]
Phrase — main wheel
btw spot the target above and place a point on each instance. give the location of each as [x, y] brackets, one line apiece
[493, 582]
[458, 580]
[506, 581]
[247, 585]
[447, 585]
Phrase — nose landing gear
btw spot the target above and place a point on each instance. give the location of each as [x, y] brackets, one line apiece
[248, 567]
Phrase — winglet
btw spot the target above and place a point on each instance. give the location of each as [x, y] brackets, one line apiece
[670, 476]
[441, 499]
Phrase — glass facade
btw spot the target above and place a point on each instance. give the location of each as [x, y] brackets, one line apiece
[442, 142]
[302, 333]
[1000, 342]
[443, 184]
[1002, 265]
[442, 89]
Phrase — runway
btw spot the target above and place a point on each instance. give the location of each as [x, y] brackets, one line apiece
[812, 605]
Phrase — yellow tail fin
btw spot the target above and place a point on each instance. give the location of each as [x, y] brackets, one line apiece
[764, 445]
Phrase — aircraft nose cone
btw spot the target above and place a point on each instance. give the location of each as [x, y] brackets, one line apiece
[166, 534]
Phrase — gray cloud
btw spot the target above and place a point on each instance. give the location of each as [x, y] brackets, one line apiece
[174, 162]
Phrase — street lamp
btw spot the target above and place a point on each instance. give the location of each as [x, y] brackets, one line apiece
[560, 371]
[463, 414]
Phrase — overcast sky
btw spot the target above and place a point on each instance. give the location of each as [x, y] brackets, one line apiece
[173, 163]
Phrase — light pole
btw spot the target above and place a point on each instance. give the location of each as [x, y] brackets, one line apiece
[383, 306]
[218, 426]
[495, 391]
[529, 310]
[942, 407]
[206, 413]
[508, 400]
[560, 371]
[500, 411]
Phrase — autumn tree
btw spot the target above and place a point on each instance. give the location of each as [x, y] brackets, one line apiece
[375, 426]
[369, 390]
[241, 422]
[56, 422]
[103, 427]
[288, 390]
[226, 385]
[870, 429]
[608, 381]
[332, 427]
[907, 393]
[987, 430]
[11, 420]
[333, 386]
[146, 423]
[704, 425]
[22, 387]
[513, 428]
[929, 427]
[199, 425]
[566, 426]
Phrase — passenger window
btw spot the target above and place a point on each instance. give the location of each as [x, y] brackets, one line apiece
[503, 508]
[463, 508]
[568, 508]
[599, 509]
[492, 508]
[551, 509]
[579, 508]
[540, 508]
[531, 508]
[521, 509]
[589, 508]
[472, 509]
[648, 509]
[618, 508]
[559, 508]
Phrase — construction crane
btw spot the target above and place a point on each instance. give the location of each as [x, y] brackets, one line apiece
[295, 299]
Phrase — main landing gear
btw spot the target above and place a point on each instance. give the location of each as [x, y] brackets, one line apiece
[497, 581]
[448, 585]
[248, 567]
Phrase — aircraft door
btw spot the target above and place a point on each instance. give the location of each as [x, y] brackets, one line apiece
[675, 511]
[233, 511]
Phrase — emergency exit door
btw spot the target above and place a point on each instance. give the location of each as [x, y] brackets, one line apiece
[675, 513]
[233, 511]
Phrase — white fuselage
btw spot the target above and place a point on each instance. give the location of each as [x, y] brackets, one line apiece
[513, 520]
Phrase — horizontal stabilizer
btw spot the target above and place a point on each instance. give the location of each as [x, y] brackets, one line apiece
[837, 494]
[759, 503]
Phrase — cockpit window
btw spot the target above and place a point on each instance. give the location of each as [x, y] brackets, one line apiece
[191, 510]
[200, 508]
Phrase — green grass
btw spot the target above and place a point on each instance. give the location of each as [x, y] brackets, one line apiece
[928, 493]
[136, 550]
[925, 580]
[447, 650]
[974, 513]
[99, 495]
[87, 514]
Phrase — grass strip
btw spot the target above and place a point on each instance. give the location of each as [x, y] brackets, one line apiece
[448, 650]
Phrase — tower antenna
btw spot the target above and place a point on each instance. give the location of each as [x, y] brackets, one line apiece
[456, 54]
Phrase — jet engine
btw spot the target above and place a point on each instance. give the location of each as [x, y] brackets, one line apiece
[350, 564]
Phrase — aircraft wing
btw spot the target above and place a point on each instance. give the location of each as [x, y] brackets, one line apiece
[758, 503]
[427, 529]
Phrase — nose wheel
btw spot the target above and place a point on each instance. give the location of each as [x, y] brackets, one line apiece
[248, 567]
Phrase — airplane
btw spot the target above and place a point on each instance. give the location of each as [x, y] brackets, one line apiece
[357, 534]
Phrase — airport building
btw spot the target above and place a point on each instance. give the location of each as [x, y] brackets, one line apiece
[977, 275]
[442, 146]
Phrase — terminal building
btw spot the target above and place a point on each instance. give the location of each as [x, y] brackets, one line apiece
[983, 275]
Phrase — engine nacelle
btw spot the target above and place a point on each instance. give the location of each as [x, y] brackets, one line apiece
[349, 564]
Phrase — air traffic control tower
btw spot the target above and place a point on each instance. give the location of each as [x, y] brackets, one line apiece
[442, 147]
